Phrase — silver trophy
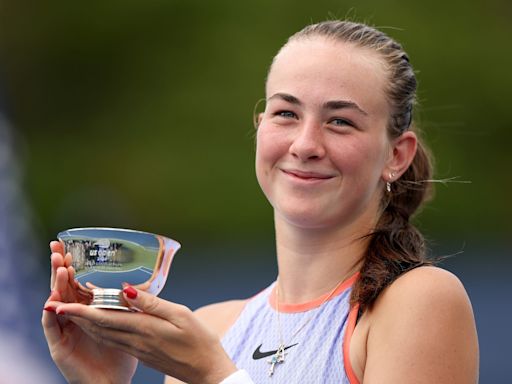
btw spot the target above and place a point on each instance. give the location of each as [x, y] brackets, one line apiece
[105, 258]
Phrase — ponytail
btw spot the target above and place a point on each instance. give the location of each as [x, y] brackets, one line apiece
[396, 246]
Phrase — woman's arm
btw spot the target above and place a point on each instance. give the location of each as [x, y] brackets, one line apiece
[422, 330]
[218, 317]
[163, 335]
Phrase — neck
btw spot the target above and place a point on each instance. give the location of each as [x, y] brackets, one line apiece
[312, 262]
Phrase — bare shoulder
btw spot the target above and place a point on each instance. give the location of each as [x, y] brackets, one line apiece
[424, 296]
[426, 284]
[423, 326]
[220, 316]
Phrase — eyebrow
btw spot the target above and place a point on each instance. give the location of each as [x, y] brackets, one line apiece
[331, 105]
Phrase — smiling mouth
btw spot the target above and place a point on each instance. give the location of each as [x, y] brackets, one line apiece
[310, 176]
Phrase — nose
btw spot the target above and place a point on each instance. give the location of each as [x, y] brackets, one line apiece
[308, 143]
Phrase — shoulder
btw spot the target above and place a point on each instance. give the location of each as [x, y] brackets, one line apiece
[424, 297]
[220, 316]
[424, 285]
[423, 320]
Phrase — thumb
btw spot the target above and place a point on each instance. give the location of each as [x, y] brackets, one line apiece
[177, 314]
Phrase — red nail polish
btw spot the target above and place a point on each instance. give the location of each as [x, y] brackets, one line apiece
[49, 309]
[130, 292]
[61, 313]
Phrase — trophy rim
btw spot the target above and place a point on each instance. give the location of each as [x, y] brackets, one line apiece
[115, 229]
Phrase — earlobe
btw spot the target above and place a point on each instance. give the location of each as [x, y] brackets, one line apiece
[403, 152]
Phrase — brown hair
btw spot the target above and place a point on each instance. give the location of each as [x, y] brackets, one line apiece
[395, 246]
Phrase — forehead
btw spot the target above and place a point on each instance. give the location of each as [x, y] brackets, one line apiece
[319, 69]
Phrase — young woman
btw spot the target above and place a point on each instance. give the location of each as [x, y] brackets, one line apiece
[356, 299]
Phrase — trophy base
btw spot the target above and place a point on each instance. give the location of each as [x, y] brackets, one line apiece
[109, 298]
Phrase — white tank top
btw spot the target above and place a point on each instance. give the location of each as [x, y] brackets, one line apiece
[315, 355]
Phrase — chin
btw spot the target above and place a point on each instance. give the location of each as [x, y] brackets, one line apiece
[308, 218]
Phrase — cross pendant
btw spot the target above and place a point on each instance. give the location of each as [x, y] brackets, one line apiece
[276, 358]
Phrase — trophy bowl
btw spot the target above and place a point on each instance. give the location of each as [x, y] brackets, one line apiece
[105, 258]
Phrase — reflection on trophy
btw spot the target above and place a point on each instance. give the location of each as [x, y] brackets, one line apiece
[105, 258]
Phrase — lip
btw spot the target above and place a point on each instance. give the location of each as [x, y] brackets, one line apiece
[307, 175]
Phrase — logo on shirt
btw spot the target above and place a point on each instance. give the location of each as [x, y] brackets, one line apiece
[260, 355]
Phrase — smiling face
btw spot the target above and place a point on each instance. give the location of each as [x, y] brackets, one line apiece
[322, 144]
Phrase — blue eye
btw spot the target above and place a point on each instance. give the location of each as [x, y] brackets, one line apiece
[286, 114]
[340, 122]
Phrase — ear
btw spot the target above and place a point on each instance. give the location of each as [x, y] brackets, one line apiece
[403, 150]
[257, 120]
[257, 117]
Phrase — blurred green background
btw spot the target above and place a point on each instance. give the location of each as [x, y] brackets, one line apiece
[138, 114]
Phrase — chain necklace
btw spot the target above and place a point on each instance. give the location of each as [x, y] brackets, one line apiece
[280, 355]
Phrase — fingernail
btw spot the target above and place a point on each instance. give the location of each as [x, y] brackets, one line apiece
[49, 308]
[130, 292]
[60, 312]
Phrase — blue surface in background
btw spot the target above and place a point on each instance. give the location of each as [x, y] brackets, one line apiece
[488, 284]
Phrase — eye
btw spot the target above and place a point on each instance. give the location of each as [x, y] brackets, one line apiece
[341, 125]
[286, 114]
[341, 122]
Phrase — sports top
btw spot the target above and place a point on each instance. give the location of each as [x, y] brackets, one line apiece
[318, 353]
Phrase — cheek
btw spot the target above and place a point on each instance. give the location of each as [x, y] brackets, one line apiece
[362, 159]
[270, 147]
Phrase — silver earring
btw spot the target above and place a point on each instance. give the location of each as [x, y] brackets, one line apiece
[388, 183]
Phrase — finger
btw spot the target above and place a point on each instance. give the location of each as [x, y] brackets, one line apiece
[130, 342]
[71, 274]
[176, 314]
[68, 259]
[62, 284]
[54, 296]
[110, 337]
[90, 285]
[53, 301]
[61, 279]
[51, 327]
[56, 261]
[56, 247]
[120, 320]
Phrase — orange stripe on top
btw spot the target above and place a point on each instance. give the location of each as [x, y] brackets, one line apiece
[352, 319]
[303, 307]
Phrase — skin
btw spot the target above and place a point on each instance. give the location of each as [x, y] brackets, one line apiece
[91, 345]
[79, 356]
[323, 156]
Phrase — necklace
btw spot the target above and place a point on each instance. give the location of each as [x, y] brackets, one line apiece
[280, 355]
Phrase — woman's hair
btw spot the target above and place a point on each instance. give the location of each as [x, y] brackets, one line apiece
[395, 246]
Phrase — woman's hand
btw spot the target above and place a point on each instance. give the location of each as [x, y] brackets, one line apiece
[63, 276]
[80, 358]
[163, 335]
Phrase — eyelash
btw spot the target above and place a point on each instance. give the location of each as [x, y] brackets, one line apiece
[286, 114]
[344, 121]
[282, 114]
